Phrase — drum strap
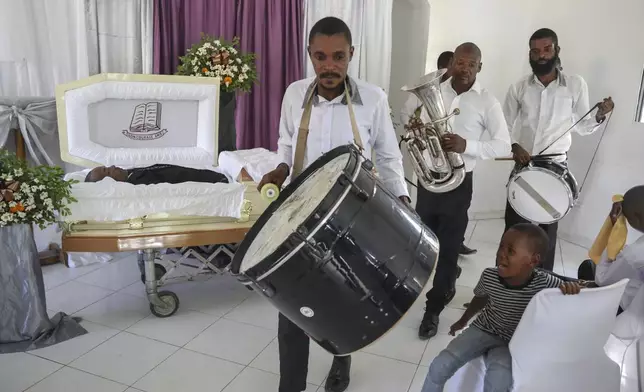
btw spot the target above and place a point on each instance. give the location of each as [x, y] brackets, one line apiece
[303, 131]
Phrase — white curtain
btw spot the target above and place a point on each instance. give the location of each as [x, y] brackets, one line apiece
[370, 24]
[47, 42]
[120, 35]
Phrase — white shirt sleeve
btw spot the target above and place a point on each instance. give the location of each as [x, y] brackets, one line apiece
[589, 124]
[608, 273]
[286, 132]
[511, 109]
[388, 156]
[499, 143]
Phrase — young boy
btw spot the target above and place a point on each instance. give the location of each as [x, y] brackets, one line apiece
[629, 263]
[501, 295]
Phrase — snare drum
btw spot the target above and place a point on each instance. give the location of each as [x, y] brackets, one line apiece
[338, 254]
[542, 192]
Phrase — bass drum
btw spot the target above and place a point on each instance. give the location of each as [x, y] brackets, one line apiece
[542, 192]
[338, 254]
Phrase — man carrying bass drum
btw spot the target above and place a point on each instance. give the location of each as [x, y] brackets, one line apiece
[323, 105]
[539, 109]
[446, 213]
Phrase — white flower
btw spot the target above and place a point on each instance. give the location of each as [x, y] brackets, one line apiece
[195, 69]
[44, 195]
[21, 214]
[194, 61]
[207, 45]
[36, 180]
[18, 172]
[234, 68]
[238, 61]
[8, 178]
[198, 74]
[245, 68]
[232, 50]
[217, 43]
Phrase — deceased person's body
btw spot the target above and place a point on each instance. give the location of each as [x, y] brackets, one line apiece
[156, 174]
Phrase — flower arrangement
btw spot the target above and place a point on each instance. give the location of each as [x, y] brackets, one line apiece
[32, 195]
[213, 57]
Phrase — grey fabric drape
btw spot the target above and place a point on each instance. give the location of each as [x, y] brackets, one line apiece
[24, 323]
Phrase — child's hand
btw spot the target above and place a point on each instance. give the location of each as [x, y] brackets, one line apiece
[457, 326]
[569, 288]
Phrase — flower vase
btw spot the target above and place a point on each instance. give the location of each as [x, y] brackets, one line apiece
[227, 132]
[24, 323]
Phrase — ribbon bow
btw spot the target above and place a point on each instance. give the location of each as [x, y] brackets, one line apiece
[221, 58]
[36, 117]
[7, 189]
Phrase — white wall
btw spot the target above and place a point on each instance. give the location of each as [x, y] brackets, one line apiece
[410, 32]
[602, 43]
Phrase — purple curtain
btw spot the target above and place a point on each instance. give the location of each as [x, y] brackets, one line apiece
[178, 25]
[273, 30]
[270, 28]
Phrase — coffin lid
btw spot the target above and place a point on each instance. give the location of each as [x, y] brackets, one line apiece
[139, 120]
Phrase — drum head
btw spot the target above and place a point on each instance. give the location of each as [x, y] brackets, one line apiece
[294, 211]
[539, 195]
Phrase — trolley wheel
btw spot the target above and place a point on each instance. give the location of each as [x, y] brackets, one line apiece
[172, 305]
[159, 271]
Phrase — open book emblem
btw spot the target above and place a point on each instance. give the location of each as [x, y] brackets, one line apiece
[146, 122]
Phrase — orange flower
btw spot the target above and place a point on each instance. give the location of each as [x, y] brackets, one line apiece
[204, 70]
[228, 80]
[17, 208]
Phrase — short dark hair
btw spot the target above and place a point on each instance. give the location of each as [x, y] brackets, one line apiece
[633, 207]
[443, 59]
[536, 236]
[330, 26]
[469, 47]
[544, 33]
[89, 177]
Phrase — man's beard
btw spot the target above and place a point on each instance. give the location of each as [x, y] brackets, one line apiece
[545, 68]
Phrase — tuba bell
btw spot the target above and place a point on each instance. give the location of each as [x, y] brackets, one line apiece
[438, 171]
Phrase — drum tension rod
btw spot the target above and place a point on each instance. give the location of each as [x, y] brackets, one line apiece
[344, 180]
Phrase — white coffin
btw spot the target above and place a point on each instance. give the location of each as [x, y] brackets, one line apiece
[137, 121]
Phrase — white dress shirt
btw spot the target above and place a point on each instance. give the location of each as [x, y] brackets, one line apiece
[629, 264]
[480, 112]
[330, 127]
[538, 115]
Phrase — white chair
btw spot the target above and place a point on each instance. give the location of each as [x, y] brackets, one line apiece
[558, 345]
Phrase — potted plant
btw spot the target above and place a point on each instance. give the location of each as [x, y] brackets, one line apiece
[28, 196]
[215, 57]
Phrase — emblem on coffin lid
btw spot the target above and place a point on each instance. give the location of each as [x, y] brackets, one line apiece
[146, 122]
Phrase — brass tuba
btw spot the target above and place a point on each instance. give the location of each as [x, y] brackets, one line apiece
[437, 171]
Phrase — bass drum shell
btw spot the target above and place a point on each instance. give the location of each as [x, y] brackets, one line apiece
[553, 181]
[361, 271]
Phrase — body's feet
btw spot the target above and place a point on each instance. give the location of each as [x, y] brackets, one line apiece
[465, 251]
[428, 327]
[339, 375]
[450, 295]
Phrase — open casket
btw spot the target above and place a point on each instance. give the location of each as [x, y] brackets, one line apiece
[134, 121]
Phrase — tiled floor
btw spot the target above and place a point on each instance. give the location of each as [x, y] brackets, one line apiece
[223, 338]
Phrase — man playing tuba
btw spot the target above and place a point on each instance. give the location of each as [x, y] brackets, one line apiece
[445, 213]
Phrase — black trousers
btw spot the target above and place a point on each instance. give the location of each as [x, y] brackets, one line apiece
[512, 218]
[446, 215]
[294, 356]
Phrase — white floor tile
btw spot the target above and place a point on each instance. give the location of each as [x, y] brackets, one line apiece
[257, 311]
[115, 275]
[215, 296]
[188, 371]
[435, 346]
[124, 358]
[69, 350]
[463, 295]
[372, 373]
[414, 315]
[489, 230]
[73, 296]
[319, 362]
[448, 317]
[400, 343]
[232, 341]
[57, 274]
[178, 330]
[19, 371]
[72, 380]
[118, 311]
[419, 379]
[257, 380]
